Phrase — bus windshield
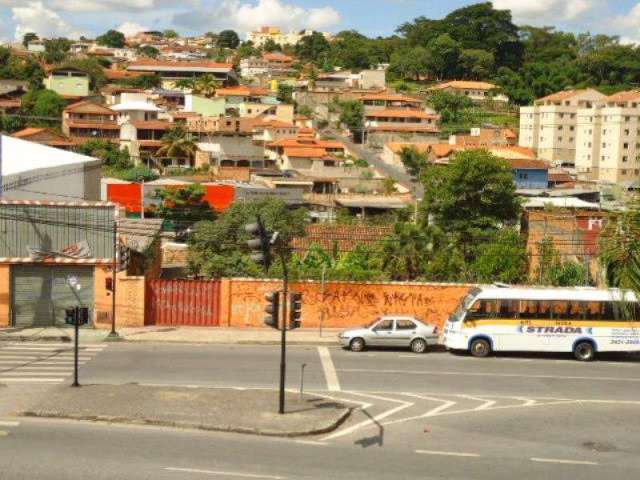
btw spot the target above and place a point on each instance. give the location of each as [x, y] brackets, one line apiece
[464, 305]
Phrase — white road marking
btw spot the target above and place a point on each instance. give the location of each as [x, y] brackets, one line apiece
[45, 344]
[487, 374]
[486, 403]
[567, 462]
[3, 433]
[6, 423]
[36, 368]
[333, 384]
[306, 442]
[30, 380]
[23, 362]
[452, 454]
[370, 421]
[224, 474]
[43, 357]
[433, 412]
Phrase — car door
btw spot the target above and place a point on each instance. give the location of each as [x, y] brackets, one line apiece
[382, 333]
[405, 330]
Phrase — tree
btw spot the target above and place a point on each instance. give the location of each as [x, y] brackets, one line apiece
[449, 105]
[620, 247]
[444, 57]
[411, 63]
[206, 85]
[414, 161]
[285, 93]
[178, 143]
[46, 104]
[476, 63]
[56, 50]
[553, 270]
[145, 82]
[109, 152]
[218, 249]
[472, 196]
[407, 252]
[170, 34]
[501, 259]
[271, 46]
[112, 39]
[28, 38]
[362, 263]
[352, 115]
[185, 83]
[313, 48]
[183, 206]
[228, 39]
[148, 51]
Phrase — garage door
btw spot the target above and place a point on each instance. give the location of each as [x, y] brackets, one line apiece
[41, 294]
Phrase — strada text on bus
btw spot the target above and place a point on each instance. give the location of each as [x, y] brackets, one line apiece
[584, 321]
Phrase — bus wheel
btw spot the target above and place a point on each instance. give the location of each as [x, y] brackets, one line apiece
[480, 348]
[584, 352]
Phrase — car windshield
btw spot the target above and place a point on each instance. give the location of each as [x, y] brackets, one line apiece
[464, 305]
[371, 324]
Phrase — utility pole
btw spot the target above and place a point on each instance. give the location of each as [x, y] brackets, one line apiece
[114, 269]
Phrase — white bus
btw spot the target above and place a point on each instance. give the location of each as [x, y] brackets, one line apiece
[584, 321]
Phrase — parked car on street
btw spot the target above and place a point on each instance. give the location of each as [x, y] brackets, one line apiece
[391, 331]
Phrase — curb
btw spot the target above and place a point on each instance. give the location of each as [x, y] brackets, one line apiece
[330, 427]
[49, 338]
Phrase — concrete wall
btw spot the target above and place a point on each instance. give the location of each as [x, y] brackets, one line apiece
[344, 304]
[130, 299]
[5, 295]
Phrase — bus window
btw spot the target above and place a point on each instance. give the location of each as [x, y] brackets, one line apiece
[612, 311]
[593, 311]
[482, 309]
[544, 310]
[560, 310]
[528, 309]
[577, 310]
[508, 308]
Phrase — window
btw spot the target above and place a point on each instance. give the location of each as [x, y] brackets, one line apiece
[624, 171]
[482, 309]
[534, 310]
[625, 146]
[384, 325]
[572, 128]
[405, 325]
[626, 132]
[508, 308]
[560, 127]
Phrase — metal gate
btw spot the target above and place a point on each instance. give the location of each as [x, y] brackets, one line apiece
[183, 302]
[41, 293]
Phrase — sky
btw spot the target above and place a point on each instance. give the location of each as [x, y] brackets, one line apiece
[72, 18]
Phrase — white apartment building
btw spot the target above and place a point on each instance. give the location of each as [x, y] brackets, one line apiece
[608, 140]
[549, 126]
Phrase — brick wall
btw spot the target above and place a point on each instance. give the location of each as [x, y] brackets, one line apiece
[130, 300]
[343, 304]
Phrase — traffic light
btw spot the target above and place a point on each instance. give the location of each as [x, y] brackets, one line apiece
[295, 311]
[70, 316]
[273, 309]
[260, 244]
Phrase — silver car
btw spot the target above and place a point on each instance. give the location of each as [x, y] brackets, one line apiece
[391, 331]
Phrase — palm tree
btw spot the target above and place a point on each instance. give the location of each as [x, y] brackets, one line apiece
[185, 84]
[206, 85]
[620, 249]
[178, 143]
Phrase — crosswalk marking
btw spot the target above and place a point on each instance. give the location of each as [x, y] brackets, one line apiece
[42, 362]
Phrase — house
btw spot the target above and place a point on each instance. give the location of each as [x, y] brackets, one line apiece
[114, 94]
[57, 255]
[345, 80]
[33, 171]
[550, 126]
[269, 131]
[383, 101]
[392, 151]
[11, 92]
[529, 174]
[143, 138]
[68, 82]
[207, 107]
[485, 137]
[260, 37]
[608, 140]
[270, 64]
[86, 120]
[475, 91]
[252, 101]
[306, 154]
[136, 110]
[172, 71]
[400, 125]
[45, 136]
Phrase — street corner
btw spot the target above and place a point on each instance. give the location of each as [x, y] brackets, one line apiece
[251, 411]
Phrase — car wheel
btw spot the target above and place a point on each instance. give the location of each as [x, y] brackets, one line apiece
[357, 345]
[418, 345]
[480, 348]
[584, 351]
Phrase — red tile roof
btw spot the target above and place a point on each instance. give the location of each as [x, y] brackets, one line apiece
[152, 124]
[149, 62]
[341, 237]
[464, 84]
[89, 107]
[243, 91]
[401, 113]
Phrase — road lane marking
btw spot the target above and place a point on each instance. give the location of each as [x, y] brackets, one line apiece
[30, 380]
[224, 474]
[562, 461]
[311, 442]
[3, 433]
[4, 423]
[431, 413]
[451, 454]
[333, 384]
[370, 421]
[487, 374]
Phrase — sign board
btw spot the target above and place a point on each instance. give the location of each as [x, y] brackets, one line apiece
[292, 196]
[76, 251]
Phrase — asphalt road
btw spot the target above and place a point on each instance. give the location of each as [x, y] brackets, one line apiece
[419, 416]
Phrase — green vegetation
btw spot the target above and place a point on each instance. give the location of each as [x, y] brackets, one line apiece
[182, 207]
[56, 50]
[553, 270]
[228, 39]
[116, 162]
[45, 105]
[620, 244]
[20, 68]
[148, 51]
[178, 143]
[112, 39]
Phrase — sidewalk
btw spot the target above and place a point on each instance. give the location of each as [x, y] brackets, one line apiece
[228, 410]
[168, 334]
